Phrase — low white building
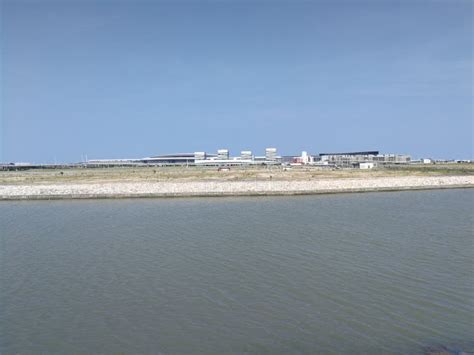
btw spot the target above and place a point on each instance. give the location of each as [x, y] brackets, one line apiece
[366, 165]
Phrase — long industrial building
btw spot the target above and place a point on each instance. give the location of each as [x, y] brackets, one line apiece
[354, 159]
[222, 158]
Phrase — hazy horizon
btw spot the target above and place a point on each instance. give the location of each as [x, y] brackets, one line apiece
[129, 79]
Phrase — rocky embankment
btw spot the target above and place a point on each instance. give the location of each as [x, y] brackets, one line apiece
[228, 188]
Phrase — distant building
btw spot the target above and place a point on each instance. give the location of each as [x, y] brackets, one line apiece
[392, 158]
[304, 159]
[246, 155]
[271, 154]
[349, 159]
[223, 154]
[199, 155]
[353, 159]
[170, 159]
[366, 166]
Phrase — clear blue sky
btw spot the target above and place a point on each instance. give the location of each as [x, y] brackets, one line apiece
[114, 79]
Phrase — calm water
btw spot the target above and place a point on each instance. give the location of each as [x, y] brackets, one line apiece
[343, 274]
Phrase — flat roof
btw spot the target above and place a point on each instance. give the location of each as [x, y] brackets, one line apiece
[370, 152]
[178, 155]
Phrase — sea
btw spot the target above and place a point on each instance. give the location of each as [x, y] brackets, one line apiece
[360, 273]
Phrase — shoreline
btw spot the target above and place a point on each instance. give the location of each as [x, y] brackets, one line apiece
[119, 190]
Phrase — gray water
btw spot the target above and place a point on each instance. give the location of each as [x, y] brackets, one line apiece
[375, 273]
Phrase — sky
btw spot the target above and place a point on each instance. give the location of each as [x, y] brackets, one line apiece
[130, 79]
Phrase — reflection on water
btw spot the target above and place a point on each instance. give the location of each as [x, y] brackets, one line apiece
[351, 273]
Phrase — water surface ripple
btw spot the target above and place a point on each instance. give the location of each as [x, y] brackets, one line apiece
[368, 273]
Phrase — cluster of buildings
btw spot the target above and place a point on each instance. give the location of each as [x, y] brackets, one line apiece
[223, 159]
[362, 160]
